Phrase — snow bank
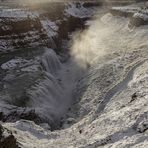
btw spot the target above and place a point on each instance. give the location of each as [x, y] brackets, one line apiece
[17, 13]
[78, 10]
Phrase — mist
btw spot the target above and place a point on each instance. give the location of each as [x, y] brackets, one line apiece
[105, 35]
[90, 44]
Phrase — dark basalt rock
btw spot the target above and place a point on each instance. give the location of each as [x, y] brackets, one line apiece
[142, 127]
[133, 97]
[27, 115]
[1, 131]
[30, 115]
[91, 4]
[8, 141]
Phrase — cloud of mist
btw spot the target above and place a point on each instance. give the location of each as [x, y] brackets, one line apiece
[88, 45]
[104, 36]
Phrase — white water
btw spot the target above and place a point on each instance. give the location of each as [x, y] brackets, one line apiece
[53, 96]
[50, 62]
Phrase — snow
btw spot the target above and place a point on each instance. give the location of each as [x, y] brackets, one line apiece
[17, 14]
[19, 63]
[132, 9]
[12, 64]
[50, 27]
[79, 11]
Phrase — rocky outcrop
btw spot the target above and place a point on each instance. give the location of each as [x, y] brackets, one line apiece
[138, 14]
[20, 29]
[120, 11]
[44, 25]
[7, 140]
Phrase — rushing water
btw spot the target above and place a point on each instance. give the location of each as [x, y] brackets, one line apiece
[53, 95]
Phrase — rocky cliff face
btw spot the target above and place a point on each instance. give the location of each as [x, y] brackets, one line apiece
[138, 15]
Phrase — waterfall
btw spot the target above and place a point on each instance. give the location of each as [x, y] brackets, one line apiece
[50, 62]
[52, 94]
[48, 96]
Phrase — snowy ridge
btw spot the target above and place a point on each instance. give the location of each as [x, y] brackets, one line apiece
[18, 14]
[78, 10]
[50, 27]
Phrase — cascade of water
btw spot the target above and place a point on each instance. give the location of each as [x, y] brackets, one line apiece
[47, 97]
[50, 62]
